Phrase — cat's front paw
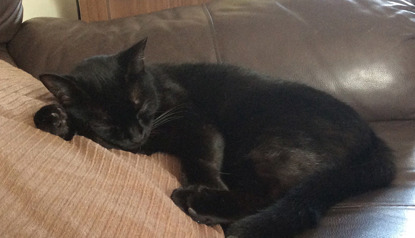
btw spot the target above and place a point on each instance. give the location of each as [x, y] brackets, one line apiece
[204, 205]
[54, 119]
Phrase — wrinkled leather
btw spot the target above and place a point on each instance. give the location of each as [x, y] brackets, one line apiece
[11, 15]
[360, 51]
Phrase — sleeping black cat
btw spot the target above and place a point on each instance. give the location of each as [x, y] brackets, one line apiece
[262, 156]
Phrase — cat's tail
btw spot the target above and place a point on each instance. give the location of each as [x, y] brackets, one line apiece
[302, 206]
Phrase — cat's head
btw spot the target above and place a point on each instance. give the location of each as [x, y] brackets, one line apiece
[111, 99]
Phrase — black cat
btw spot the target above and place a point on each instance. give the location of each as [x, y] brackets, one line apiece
[262, 156]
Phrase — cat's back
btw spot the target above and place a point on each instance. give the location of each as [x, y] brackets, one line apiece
[223, 82]
[230, 88]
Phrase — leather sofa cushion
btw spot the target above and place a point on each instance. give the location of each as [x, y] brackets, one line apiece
[361, 51]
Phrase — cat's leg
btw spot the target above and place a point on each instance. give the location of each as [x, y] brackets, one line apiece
[200, 147]
[214, 206]
[200, 150]
[211, 206]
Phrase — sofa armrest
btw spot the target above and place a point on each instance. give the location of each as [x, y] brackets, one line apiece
[11, 15]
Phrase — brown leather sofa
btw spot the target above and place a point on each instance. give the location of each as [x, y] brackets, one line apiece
[360, 51]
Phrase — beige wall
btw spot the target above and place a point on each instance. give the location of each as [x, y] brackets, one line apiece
[49, 8]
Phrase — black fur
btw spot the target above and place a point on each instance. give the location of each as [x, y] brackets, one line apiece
[262, 156]
[53, 119]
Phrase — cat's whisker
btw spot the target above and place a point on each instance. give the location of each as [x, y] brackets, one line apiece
[165, 120]
[169, 115]
[165, 116]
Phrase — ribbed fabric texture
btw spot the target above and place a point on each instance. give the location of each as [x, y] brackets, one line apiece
[53, 188]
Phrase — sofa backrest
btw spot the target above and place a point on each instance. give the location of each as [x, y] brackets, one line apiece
[361, 51]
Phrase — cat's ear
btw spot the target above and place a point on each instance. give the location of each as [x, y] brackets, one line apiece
[133, 58]
[64, 90]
